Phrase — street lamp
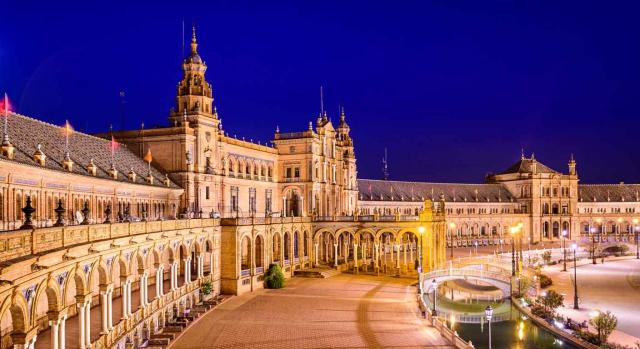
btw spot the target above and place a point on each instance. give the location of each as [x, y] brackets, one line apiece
[574, 247]
[593, 244]
[514, 231]
[421, 230]
[488, 312]
[434, 285]
[452, 227]
[564, 250]
[636, 229]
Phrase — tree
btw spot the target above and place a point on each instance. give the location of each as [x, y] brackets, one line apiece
[274, 277]
[552, 300]
[546, 256]
[207, 287]
[605, 323]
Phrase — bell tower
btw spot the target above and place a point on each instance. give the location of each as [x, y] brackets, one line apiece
[194, 94]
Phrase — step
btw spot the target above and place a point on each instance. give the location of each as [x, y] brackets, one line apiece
[168, 335]
[172, 329]
[159, 341]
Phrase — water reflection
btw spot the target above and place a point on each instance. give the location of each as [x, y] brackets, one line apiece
[517, 333]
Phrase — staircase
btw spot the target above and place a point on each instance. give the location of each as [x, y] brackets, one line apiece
[175, 326]
[318, 272]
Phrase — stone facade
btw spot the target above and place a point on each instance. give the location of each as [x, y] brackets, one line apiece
[543, 201]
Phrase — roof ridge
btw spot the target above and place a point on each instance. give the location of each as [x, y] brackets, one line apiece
[61, 127]
[446, 183]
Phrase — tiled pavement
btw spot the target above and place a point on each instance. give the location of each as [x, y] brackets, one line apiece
[346, 311]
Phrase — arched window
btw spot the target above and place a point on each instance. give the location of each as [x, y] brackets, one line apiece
[565, 227]
[276, 248]
[305, 244]
[245, 255]
[545, 229]
[555, 209]
[287, 242]
[295, 244]
[545, 208]
[259, 251]
[556, 229]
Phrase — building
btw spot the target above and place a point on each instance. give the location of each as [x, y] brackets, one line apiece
[545, 203]
[126, 227]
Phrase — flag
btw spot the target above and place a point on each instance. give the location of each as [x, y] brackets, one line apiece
[114, 145]
[5, 106]
[148, 158]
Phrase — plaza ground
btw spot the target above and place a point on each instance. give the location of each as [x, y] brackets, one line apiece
[613, 286]
[345, 311]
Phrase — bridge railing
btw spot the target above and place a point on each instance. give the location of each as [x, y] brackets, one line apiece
[480, 273]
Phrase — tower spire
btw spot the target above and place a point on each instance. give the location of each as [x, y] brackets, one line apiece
[194, 42]
[385, 167]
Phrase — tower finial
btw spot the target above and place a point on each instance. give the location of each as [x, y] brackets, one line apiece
[194, 43]
[321, 101]
[521, 153]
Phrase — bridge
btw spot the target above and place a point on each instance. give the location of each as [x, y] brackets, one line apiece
[499, 279]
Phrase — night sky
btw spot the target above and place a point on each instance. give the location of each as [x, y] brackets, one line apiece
[454, 90]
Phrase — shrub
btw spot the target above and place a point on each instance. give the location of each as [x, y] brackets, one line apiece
[552, 300]
[545, 281]
[546, 256]
[207, 287]
[539, 310]
[587, 336]
[605, 323]
[274, 277]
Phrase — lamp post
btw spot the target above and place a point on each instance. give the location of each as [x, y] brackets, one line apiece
[574, 247]
[452, 227]
[488, 312]
[564, 250]
[434, 285]
[421, 230]
[636, 229]
[520, 230]
[593, 244]
[514, 231]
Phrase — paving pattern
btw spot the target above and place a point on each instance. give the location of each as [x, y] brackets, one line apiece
[344, 311]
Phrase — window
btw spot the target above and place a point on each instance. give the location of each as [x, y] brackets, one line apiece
[288, 171]
[234, 199]
[252, 200]
[206, 193]
[267, 201]
[565, 209]
[296, 172]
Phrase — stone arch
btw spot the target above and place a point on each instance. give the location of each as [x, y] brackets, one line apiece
[20, 320]
[286, 244]
[259, 248]
[320, 231]
[390, 231]
[245, 252]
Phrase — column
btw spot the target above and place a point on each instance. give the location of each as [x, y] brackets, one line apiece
[335, 259]
[355, 258]
[129, 284]
[315, 255]
[172, 276]
[87, 319]
[62, 333]
[53, 329]
[404, 256]
[110, 308]
[104, 310]
[411, 251]
[159, 280]
[303, 212]
[82, 324]
[284, 206]
[187, 270]
[398, 257]
[211, 263]
[143, 290]
[123, 297]
[200, 266]
[364, 256]
[375, 256]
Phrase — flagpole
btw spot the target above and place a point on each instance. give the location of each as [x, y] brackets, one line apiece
[6, 117]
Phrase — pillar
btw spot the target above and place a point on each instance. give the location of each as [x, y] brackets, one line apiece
[315, 254]
[284, 206]
[104, 311]
[211, 263]
[125, 313]
[143, 289]
[173, 277]
[87, 319]
[82, 323]
[110, 308]
[54, 326]
[335, 259]
[404, 256]
[355, 258]
[62, 333]
[159, 281]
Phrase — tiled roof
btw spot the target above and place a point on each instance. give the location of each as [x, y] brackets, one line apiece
[525, 165]
[25, 133]
[378, 190]
[609, 192]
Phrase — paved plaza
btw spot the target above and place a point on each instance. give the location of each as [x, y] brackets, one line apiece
[613, 286]
[345, 311]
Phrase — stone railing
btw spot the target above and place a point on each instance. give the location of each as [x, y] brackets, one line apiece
[154, 309]
[263, 220]
[447, 333]
[21, 243]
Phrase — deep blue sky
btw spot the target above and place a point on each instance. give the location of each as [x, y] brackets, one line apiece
[453, 89]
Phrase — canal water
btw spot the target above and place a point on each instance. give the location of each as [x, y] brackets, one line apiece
[517, 333]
